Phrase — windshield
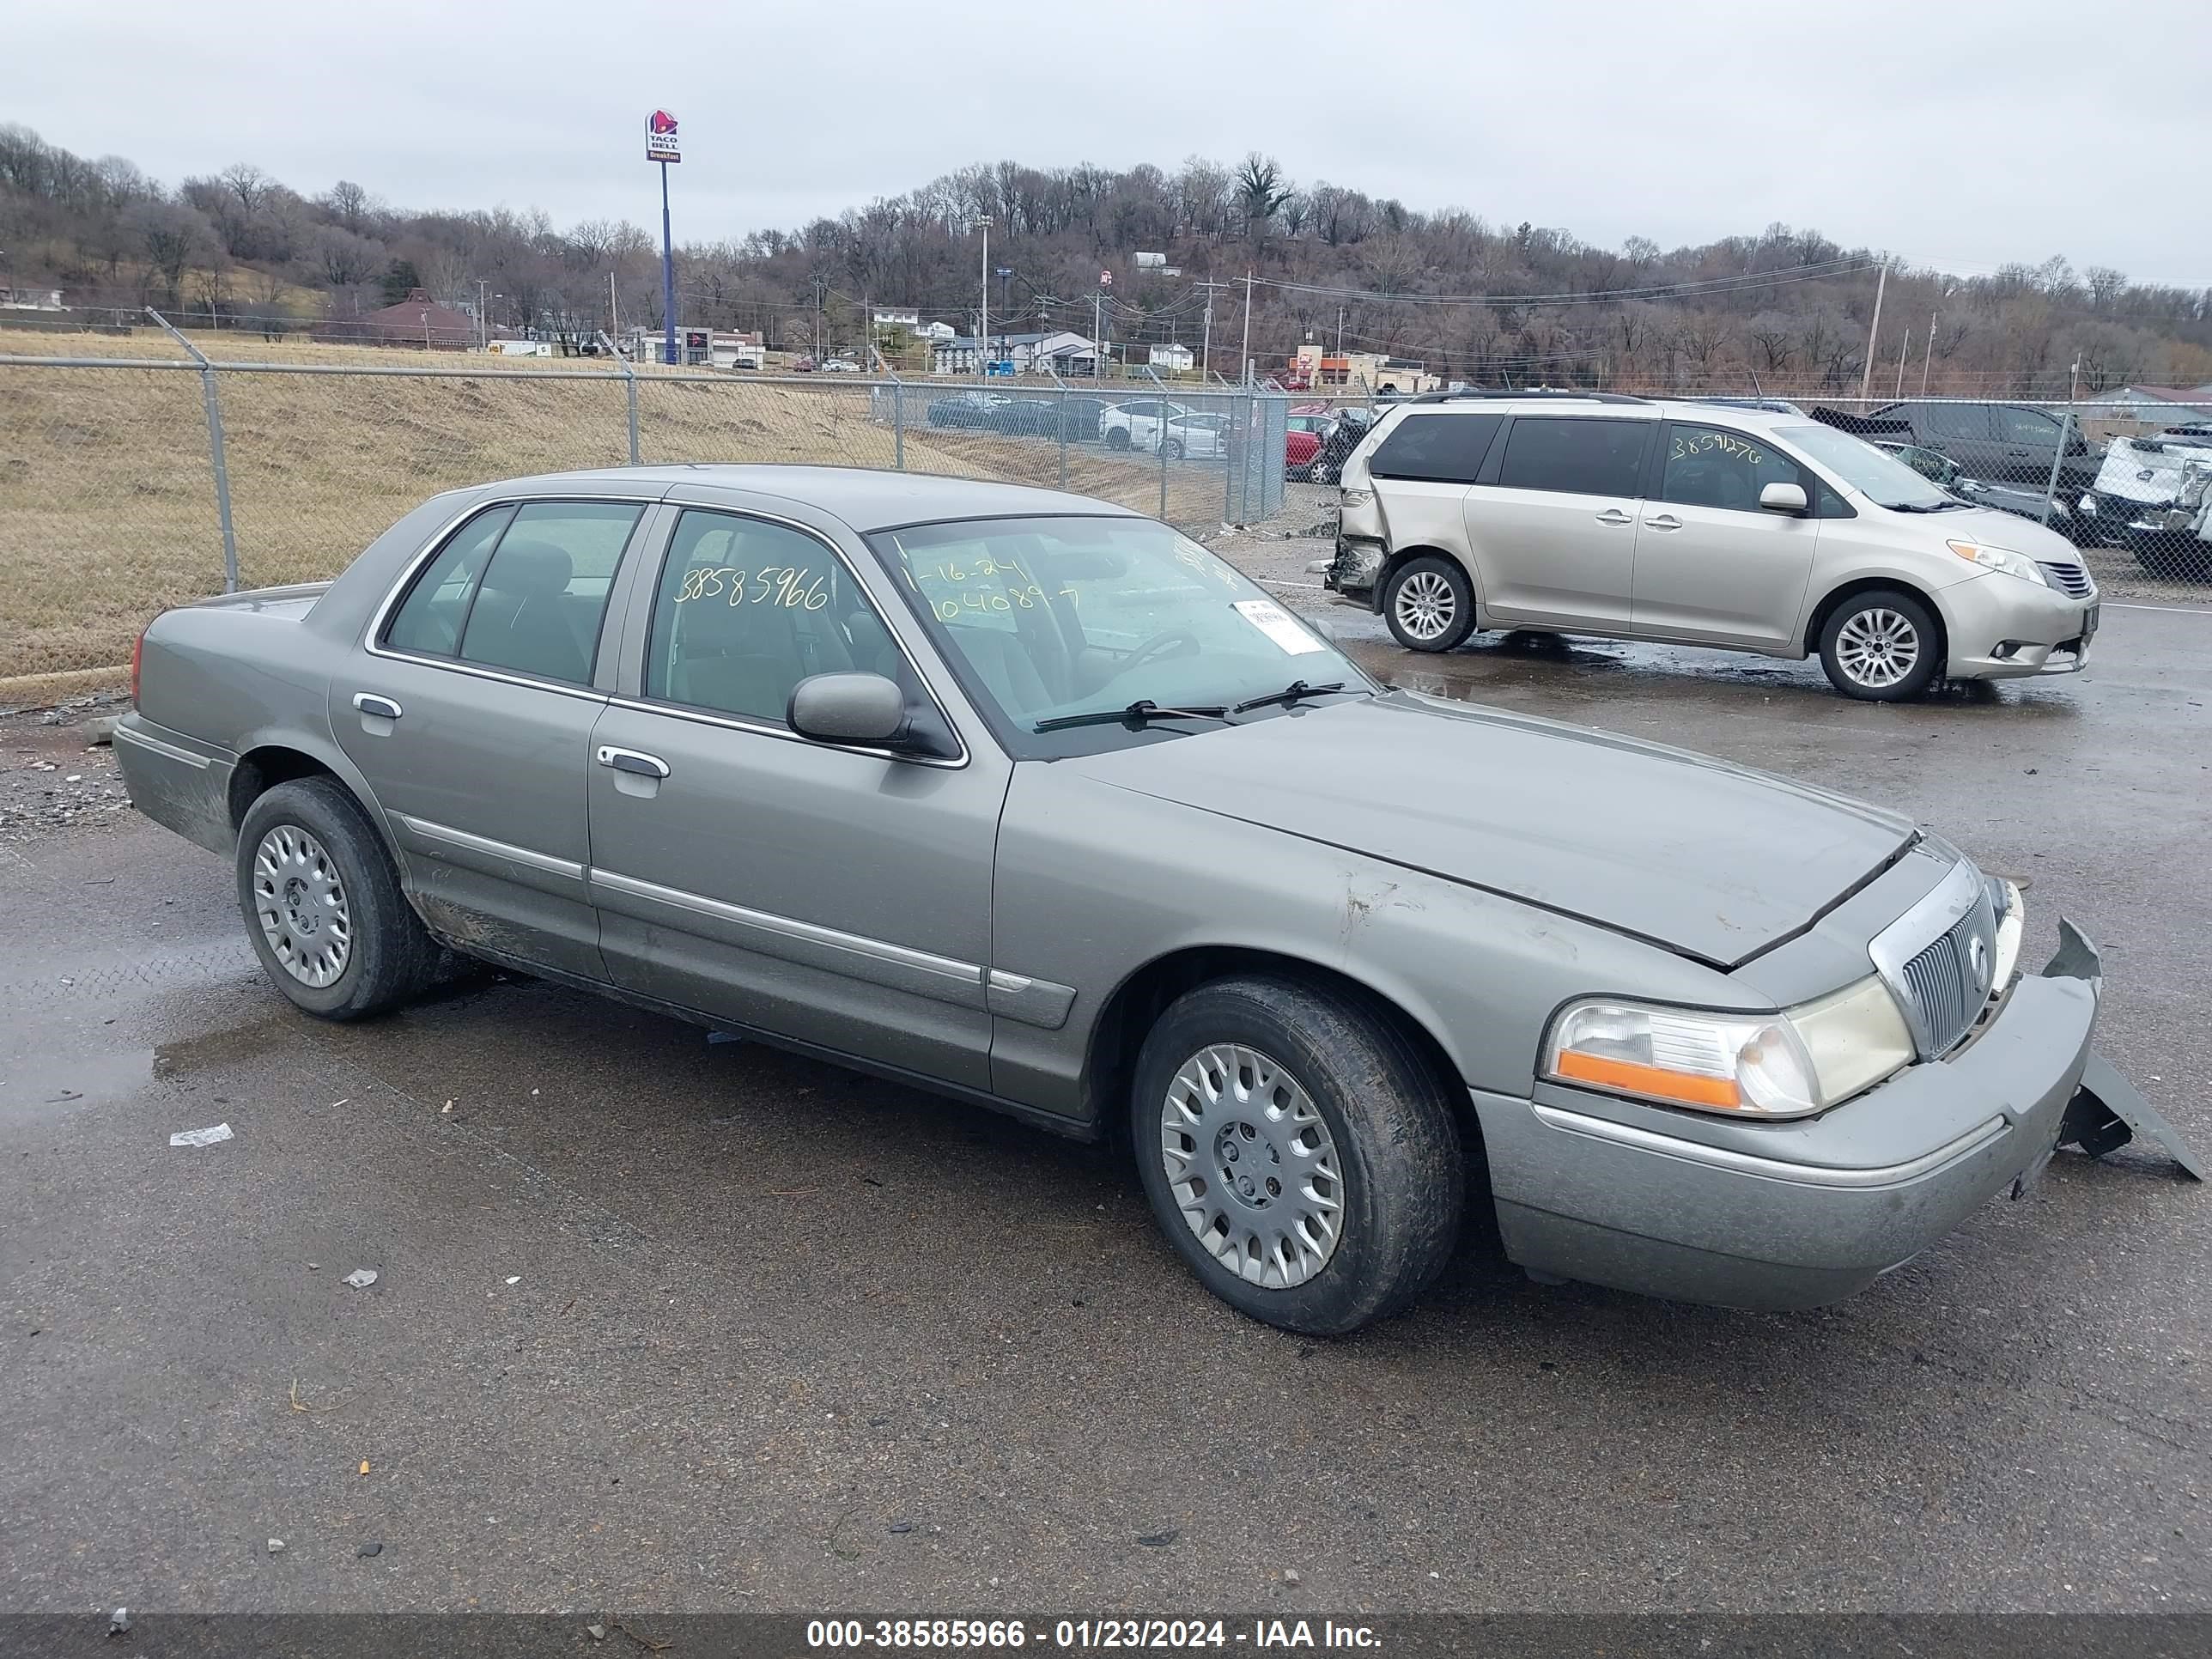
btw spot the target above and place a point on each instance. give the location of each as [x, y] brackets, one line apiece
[1047, 618]
[1884, 479]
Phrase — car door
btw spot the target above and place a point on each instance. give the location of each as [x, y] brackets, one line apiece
[2028, 443]
[1962, 431]
[1552, 522]
[1710, 563]
[832, 896]
[468, 707]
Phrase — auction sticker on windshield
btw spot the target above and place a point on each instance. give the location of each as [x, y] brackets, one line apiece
[1275, 622]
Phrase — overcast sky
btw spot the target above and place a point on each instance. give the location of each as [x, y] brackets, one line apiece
[1961, 135]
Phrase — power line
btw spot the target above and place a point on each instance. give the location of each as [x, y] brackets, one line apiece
[1595, 296]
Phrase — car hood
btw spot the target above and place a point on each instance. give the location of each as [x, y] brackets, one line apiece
[1712, 860]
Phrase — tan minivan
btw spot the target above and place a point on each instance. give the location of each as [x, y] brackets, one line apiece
[1698, 524]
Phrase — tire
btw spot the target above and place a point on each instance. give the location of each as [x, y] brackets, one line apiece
[1322, 472]
[1172, 449]
[1363, 1105]
[1117, 437]
[1882, 646]
[307, 850]
[1429, 604]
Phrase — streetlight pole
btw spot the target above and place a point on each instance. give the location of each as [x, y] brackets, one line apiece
[983, 316]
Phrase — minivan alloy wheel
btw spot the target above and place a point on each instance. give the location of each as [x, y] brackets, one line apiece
[1252, 1166]
[1878, 646]
[1425, 605]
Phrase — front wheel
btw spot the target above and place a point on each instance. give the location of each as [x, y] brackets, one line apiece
[1322, 473]
[1882, 646]
[1429, 604]
[323, 906]
[1298, 1153]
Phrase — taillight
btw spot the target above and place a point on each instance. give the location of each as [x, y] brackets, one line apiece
[137, 655]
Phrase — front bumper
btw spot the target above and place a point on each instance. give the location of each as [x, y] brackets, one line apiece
[1777, 1216]
[2002, 627]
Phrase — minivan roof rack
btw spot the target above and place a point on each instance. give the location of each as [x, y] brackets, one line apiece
[1578, 396]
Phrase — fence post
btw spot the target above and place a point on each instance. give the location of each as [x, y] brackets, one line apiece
[898, 420]
[2059, 460]
[1060, 422]
[214, 452]
[629, 383]
[1161, 393]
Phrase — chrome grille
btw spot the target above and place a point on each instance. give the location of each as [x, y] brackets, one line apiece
[1939, 959]
[1945, 986]
[2069, 579]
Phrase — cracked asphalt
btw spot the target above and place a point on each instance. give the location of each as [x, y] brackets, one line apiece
[672, 1325]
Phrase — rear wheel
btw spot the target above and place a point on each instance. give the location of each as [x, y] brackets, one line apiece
[1172, 449]
[1429, 604]
[1298, 1152]
[1322, 472]
[323, 907]
[1117, 437]
[1882, 646]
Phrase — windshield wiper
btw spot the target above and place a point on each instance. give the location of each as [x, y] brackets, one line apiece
[1137, 714]
[1288, 695]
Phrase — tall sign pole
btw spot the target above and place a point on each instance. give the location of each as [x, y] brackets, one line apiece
[662, 145]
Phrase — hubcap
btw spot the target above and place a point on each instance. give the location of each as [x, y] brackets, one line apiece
[1425, 605]
[300, 905]
[1878, 647]
[1252, 1165]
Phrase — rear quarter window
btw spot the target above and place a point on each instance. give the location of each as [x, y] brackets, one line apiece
[1439, 448]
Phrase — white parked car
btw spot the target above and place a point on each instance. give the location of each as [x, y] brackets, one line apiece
[2153, 496]
[1203, 437]
[839, 365]
[1136, 425]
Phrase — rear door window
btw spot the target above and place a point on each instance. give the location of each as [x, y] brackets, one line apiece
[2027, 425]
[1440, 448]
[539, 605]
[1577, 457]
[429, 619]
[1959, 420]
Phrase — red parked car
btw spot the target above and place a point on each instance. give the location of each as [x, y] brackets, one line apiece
[1308, 422]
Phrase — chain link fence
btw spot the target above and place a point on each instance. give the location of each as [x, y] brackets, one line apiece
[129, 483]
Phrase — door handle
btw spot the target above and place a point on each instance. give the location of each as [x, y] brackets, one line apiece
[1614, 515]
[1662, 521]
[630, 760]
[367, 702]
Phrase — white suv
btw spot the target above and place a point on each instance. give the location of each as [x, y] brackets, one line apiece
[1614, 516]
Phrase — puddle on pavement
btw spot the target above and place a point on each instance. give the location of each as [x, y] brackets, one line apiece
[52, 1081]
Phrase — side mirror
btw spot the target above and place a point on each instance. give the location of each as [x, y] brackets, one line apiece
[847, 709]
[1782, 498]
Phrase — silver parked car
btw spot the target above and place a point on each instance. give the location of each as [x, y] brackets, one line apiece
[1699, 524]
[1030, 800]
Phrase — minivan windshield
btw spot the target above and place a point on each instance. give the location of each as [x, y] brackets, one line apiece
[1047, 619]
[1882, 478]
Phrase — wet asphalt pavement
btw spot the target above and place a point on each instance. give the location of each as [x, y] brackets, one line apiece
[662, 1324]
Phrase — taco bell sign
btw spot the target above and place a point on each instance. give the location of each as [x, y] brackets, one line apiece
[661, 143]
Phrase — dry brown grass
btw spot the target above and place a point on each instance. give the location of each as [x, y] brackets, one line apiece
[108, 506]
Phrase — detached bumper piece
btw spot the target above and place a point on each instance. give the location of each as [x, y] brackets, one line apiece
[2107, 1111]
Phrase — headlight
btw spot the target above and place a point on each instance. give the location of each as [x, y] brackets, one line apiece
[1764, 1065]
[1751, 1064]
[1999, 558]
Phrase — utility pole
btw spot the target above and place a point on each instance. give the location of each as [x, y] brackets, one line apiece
[817, 342]
[1901, 350]
[1099, 335]
[1006, 306]
[983, 323]
[614, 312]
[1244, 353]
[1340, 331]
[1206, 368]
[484, 326]
[1873, 328]
[1928, 351]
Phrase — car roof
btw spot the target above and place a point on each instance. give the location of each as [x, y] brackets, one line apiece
[1555, 403]
[866, 499]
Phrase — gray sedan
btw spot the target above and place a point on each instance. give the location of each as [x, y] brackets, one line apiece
[1032, 801]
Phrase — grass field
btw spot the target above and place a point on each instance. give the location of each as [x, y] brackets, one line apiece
[108, 506]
